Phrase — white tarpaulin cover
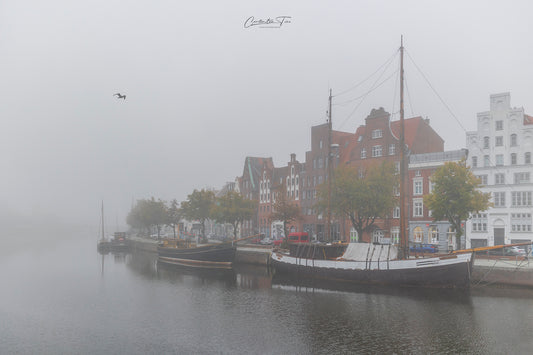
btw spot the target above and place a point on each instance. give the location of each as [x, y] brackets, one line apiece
[370, 252]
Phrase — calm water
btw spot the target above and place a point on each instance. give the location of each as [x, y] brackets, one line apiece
[67, 299]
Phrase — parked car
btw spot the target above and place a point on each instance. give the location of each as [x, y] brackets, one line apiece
[266, 241]
[277, 242]
[298, 237]
[509, 251]
[424, 248]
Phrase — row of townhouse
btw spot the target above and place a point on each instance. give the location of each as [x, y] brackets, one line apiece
[378, 140]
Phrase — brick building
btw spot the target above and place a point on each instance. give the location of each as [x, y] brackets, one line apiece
[377, 141]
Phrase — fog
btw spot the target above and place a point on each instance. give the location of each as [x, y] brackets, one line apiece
[203, 91]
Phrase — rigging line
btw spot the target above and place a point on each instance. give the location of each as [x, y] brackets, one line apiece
[371, 75]
[436, 93]
[368, 92]
[409, 97]
[363, 98]
[394, 101]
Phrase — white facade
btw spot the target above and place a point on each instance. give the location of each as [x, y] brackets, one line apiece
[500, 154]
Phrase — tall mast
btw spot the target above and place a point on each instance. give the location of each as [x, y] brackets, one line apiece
[103, 235]
[403, 166]
[329, 172]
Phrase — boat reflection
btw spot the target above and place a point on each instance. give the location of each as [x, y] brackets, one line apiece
[323, 286]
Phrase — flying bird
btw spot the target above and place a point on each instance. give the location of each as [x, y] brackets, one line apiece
[119, 96]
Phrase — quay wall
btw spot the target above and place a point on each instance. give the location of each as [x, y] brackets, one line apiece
[255, 255]
[502, 272]
[143, 244]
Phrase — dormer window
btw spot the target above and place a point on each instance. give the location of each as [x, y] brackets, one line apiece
[377, 133]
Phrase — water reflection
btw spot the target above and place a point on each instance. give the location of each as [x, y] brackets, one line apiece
[316, 285]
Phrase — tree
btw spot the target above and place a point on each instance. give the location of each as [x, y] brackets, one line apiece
[173, 215]
[283, 209]
[199, 206]
[147, 214]
[234, 209]
[360, 195]
[455, 195]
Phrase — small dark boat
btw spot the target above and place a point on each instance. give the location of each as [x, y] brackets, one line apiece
[117, 244]
[187, 253]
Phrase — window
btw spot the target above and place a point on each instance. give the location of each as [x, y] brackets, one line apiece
[433, 235]
[376, 151]
[486, 142]
[418, 235]
[513, 140]
[483, 179]
[499, 141]
[499, 179]
[377, 133]
[395, 235]
[363, 153]
[392, 149]
[377, 236]
[353, 235]
[520, 222]
[431, 186]
[499, 199]
[499, 159]
[486, 161]
[479, 222]
[499, 125]
[396, 212]
[527, 158]
[513, 158]
[417, 173]
[418, 209]
[521, 178]
[417, 187]
[474, 162]
[320, 145]
[520, 198]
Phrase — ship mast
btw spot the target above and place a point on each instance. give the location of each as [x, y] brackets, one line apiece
[329, 173]
[103, 235]
[403, 168]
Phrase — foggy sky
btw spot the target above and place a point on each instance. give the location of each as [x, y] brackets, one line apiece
[203, 92]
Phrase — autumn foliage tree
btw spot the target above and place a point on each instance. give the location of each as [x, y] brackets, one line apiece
[234, 209]
[198, 206]
[147, 214]
[283, 209]
[361, 195]
[455, 195]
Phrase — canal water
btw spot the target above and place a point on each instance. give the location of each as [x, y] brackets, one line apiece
[65, 298]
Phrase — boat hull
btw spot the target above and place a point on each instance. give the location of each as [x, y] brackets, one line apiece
[445, 272]
[209, 256]
[112, 246]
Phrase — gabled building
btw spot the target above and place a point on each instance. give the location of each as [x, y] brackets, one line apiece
[379, 140]
[500, 155]
[314, 173]
[250, 188]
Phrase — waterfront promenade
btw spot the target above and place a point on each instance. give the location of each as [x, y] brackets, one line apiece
[496, 271]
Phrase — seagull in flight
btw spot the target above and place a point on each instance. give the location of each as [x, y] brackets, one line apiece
[119, 96]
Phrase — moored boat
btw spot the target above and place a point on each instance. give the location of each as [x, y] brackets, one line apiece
[188, 253]
[375, 264]
[116, 244]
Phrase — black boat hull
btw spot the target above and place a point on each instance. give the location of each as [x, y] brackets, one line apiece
[209, 256]
[453, 275]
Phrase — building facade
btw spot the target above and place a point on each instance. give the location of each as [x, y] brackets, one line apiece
[500, 155]
[422, 228]
[378, 141]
